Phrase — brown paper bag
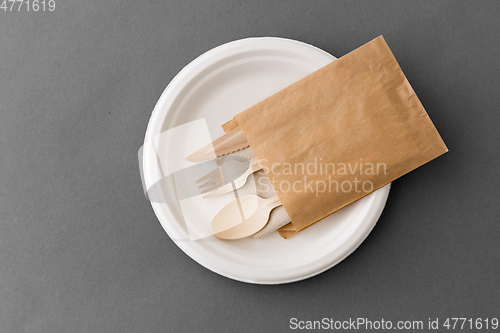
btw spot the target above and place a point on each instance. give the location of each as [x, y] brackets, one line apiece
[340, 133]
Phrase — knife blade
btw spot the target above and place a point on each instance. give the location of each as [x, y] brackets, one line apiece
[230, 142]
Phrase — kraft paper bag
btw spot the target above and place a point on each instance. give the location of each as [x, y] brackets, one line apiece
[339, 134]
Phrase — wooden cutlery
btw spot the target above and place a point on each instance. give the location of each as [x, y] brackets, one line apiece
[230, 142]
[230, 176]
[243, 217]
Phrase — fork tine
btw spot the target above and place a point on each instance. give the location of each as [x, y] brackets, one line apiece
[209, 189]
[226, 188]
[211, 174]
[221, 190]
[226, 172]
[209, 183]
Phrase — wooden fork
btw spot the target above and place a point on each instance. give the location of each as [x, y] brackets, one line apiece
[232, 169]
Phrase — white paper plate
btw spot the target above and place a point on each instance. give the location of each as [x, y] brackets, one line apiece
[217, 85]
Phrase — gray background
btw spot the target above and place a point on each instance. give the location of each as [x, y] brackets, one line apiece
[81, 249]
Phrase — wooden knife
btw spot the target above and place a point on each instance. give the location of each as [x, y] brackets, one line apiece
[230, 142]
